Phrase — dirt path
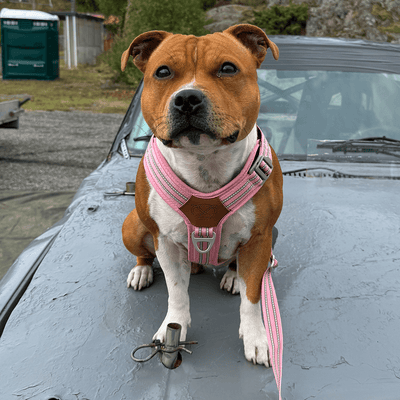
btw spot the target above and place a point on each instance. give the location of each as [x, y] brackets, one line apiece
[41, 166]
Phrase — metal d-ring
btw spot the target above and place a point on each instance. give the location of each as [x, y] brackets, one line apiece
[209, 241]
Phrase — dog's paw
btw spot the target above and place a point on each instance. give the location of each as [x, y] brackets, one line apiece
[229, 282]
[141, 276]
[255, 345]
[182, 320]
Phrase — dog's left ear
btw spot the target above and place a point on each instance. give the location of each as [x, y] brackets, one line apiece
[142, 47]
[255, 40]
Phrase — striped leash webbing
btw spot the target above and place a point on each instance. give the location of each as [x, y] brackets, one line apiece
[272, 322]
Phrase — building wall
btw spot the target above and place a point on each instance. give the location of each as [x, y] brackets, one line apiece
[89, 37]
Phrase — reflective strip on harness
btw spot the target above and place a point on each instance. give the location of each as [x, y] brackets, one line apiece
[217, 206]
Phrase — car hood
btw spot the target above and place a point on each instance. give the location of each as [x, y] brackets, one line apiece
[71, 334]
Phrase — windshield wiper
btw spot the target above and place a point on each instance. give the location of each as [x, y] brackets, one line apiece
[379, 144]
[143, 138]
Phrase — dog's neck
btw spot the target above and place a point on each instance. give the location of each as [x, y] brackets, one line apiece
[209, 172]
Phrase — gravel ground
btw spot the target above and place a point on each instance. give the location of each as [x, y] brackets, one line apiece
[54, 150]
[42, 164]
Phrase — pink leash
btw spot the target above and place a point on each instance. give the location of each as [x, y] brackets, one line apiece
[272, 323]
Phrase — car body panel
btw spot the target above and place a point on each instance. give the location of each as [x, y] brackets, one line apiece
[338, 297]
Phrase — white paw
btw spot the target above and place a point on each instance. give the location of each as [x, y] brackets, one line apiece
[229, 282]
[182, 320]
[141, 276]
[255, 345]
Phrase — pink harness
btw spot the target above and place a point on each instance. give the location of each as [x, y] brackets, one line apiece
[205, 213]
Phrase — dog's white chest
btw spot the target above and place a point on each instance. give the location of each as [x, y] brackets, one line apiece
[172, 227]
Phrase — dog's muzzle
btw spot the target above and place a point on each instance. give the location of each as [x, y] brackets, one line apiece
[189, 102]
[189, 116]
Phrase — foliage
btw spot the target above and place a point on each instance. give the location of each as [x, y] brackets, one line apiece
[147, 15]
[381, 13]
[89, 6]
[46, 5]
[388, 22]
[251, 3]
[283, 20]
[114, 7]
[207, 4]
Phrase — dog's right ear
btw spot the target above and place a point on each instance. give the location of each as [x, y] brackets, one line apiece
[142, 47]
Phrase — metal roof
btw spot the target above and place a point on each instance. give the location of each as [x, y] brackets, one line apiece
[27, 14]
[63, 14]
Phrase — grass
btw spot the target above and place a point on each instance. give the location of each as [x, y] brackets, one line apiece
[391, 19]
[86, 88]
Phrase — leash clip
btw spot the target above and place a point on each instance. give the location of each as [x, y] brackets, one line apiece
[273, 261]
[258, 170]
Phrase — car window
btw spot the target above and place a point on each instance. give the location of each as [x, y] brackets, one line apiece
[326, 105]
[302, 106]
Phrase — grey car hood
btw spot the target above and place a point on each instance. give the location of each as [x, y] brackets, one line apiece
[71, 334]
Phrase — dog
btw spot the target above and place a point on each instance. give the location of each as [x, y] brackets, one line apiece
[201, 101]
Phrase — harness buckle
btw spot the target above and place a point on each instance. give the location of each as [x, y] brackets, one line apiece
[210, 242]
[256, 167]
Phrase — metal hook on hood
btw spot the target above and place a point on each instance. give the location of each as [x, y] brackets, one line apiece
[169, 351]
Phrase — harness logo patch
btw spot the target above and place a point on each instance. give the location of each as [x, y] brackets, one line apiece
[203, 210]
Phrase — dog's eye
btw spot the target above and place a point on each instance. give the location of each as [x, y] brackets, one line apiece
[163, 72]
[228, 69]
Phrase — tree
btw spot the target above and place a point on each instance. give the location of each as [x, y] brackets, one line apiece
[145, 15]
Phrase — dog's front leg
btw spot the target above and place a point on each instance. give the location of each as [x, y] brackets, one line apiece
[176, 267]
[252, 262]
[252, 330]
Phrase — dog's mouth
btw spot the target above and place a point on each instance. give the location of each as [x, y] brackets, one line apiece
[233, 137]
[193, 135]
[190, 133]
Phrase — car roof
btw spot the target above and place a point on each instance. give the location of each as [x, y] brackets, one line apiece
[333, 54]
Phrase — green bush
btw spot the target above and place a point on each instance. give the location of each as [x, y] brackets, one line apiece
[283, 20]
[147, 15]
[207, 4]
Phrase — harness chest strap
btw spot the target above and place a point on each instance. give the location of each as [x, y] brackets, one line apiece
[205, 213]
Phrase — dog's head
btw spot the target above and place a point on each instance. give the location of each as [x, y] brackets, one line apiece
[200, 91]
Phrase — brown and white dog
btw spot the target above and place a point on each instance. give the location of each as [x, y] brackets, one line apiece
[201, 100]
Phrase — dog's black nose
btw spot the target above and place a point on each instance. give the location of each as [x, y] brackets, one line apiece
[189, 101]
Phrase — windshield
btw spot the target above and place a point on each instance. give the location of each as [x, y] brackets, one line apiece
[299, 109]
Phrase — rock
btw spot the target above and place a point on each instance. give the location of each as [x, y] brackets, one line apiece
[364, 19]
[225, 16]
[376, 20]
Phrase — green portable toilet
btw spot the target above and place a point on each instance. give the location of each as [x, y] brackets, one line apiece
[29, 42]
